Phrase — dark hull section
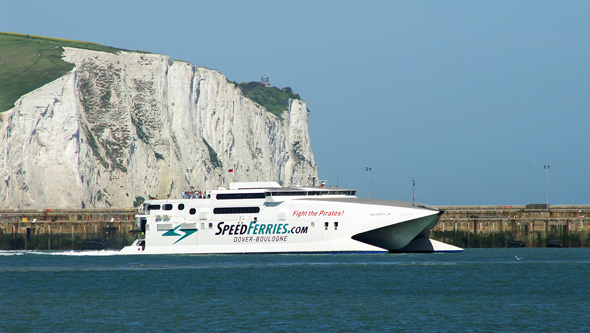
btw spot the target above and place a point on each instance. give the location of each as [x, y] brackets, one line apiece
[397, 236]
[426, 245]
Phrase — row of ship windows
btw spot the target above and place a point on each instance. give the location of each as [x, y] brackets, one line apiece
[228, 210]
[234, 196]
[238, 196]
[224, 210]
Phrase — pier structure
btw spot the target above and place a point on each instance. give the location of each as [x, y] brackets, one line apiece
[62, 229]
[536, 225]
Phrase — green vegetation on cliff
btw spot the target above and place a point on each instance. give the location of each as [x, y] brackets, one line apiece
[29, 62]
[273, 99]
[213, 155]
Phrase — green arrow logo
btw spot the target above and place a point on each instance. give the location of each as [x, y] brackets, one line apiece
[172, 232]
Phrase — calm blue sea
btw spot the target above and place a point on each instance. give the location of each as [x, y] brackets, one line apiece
[477, 290]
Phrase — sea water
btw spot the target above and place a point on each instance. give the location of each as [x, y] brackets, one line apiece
[525, 289]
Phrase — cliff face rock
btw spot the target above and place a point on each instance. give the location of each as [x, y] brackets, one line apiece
[127, 125]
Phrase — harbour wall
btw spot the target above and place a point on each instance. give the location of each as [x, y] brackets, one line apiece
[463, 226]
[66, 229]
[534, 225]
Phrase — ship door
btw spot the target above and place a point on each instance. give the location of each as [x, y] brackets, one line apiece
[142, 223]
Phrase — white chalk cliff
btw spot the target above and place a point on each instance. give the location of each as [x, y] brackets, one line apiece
[127, 125]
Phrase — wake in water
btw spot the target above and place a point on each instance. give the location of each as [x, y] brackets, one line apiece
[92, 253]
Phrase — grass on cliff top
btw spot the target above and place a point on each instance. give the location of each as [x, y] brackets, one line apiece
[29, 62]
[273, 99]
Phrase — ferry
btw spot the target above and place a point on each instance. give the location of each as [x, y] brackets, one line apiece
[264, 217]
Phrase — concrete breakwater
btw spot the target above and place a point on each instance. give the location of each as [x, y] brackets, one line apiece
[63, 229]
[534, 225]
[464, 226]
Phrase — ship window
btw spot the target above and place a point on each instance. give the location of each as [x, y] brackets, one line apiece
[180, 206]
[290, 193]
[153, 207]
[326, 224]
[313, 224]
[192, 211]
[335, 225]
[226, 196]
[236, 210]
[168, 207]
[202, 215]
[202, 225]
[210, 225]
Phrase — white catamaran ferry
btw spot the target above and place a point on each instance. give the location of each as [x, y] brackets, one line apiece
[264, 217]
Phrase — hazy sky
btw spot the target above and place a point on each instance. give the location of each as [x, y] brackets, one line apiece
[469, 98]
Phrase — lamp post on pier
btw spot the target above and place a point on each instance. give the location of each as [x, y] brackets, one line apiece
[546, 167]
[413, 191]
[368, 170]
